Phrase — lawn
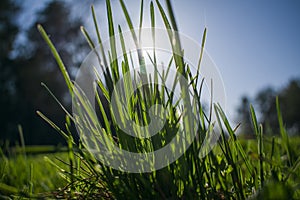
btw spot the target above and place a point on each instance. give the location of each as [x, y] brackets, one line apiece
[47, 174]
[27, 173]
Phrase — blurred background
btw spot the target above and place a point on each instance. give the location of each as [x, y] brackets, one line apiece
[255, 44]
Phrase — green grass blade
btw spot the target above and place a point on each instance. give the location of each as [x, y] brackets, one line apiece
[51, 123]
[6, 189]
[126, 65]
[87, 37]
[283, 132]
[31, 180]
[238, 147]
[57, 58]
[177, 46]
[171, 15]
[293, 169]
[259, 135]
[135, 39]
[201, 54]
[202, 48]
[261, 154]
[103, 113]
[57, 101]
[102, 87]
[141, 19]
[114, 61]
[96, 25]
[99, 37]
[129, 22]
[21, 134]
[254, 121]
[152, 16]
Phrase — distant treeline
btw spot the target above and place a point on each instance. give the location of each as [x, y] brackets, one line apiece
[265, 103]
[25, 63]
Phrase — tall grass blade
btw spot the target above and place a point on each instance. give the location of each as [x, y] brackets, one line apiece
[201, 54]
[21, 134]
[261, 154]
[87, 37]
[283, 133]
[57, 101]
[135, 39]
[254, 121]
[114, 61]
[107, 74]
[57, 58]
[141, 19]
[51, 123]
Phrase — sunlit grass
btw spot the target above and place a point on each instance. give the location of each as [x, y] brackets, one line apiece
[30, 174]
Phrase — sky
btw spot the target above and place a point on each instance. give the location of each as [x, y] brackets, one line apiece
[254, 43]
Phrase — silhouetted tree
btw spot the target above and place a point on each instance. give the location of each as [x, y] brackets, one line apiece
[289, 99]
[21, 91]
[8, 94]
[40, 66]
[265, 100]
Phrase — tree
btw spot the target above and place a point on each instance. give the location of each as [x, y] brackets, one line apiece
[40, 66]
[35, 64]
[266, 102]
[8, 104]
[289, 100]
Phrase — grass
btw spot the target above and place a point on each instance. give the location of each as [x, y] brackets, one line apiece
[50, 181]
[30, 175]
[234, 169]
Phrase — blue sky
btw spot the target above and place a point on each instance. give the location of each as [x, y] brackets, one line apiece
[254, 43]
